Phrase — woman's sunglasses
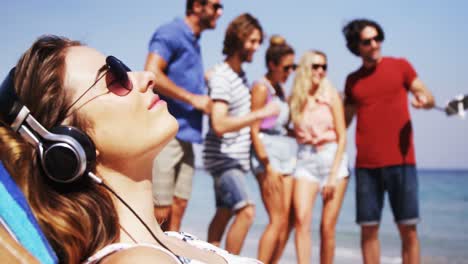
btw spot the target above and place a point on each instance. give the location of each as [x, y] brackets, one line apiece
[316, 66]
[117, 79]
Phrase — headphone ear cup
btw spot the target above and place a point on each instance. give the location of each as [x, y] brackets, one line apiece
[62, 161]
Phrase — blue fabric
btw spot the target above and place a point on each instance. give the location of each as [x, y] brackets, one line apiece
[16, 214]
[179, 47]
[231, 190]
[401, 184]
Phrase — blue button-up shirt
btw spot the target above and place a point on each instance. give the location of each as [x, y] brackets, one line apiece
[176, 43]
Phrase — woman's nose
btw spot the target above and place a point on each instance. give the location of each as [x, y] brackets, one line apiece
[144, 80]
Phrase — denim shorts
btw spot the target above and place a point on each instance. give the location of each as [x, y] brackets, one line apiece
[401, 183]
[315, 164]
[231, 189]
[281, 151]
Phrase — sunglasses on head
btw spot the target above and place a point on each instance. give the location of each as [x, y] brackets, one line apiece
[117, 79]
[316, 66]
[289, 67]
[367, 42]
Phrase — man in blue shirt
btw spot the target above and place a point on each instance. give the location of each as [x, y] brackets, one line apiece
[175, 57]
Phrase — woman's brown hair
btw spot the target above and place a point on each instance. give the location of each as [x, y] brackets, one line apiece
[77, 219]
[278, 49]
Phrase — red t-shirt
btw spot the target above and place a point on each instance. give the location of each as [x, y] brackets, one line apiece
[384, 133]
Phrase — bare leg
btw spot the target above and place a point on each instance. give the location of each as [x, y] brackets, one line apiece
[370, 244]
[304, 196]
[163, 216]
[330, 212]
[238, 230]
[288, 185]
[218, 225]
[274, 206]
[410, 244]
[178, 209]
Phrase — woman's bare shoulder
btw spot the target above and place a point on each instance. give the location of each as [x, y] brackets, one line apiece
[140, 254]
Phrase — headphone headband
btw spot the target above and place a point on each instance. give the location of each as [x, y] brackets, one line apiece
[10, 106]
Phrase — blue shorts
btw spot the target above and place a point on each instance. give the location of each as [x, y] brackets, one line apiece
[231, 189]
[281, 151]
[401, 183]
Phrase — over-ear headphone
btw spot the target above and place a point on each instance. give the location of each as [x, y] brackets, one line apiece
[65, 153]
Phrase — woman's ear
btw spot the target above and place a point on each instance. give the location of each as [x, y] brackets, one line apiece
[271, 65]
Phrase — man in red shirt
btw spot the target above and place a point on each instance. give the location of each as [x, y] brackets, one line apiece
[377, 93]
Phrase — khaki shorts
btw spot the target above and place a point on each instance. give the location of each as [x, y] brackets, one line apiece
[173, 170]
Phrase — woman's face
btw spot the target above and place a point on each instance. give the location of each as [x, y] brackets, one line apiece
[124, 127]
[283, 70]
[318, 68]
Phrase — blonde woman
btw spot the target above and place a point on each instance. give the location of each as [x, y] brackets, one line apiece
[317, 114]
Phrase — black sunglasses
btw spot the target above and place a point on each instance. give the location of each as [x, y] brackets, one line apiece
[289, 67]
[216, 6]
[367, 42]
[118, 82]
[316, 66]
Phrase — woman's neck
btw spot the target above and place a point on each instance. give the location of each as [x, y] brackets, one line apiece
[134, 185]
[313, 90]
[269, 76]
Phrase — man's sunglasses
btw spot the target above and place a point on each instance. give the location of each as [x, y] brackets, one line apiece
[367, 42]
[287, 68]
[117, 79]
[316, 66]
[216, 6]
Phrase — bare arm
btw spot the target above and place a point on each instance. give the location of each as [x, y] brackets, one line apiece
[165, 86]
[349, 112]
[423, 98]
[222, 122]
[340, 127]
[11, 251]
[259, 97]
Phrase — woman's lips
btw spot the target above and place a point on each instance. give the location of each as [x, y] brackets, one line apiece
[155, 101]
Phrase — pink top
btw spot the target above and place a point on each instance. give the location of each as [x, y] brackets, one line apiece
[317, 126]
[268, 122]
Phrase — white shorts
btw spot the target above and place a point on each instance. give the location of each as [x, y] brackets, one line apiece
[315, 165]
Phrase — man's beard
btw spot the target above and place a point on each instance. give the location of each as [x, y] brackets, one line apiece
[205, 22]
[245, 55]
[371, 58]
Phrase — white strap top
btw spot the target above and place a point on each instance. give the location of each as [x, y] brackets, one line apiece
[190, 239]
[112, 248]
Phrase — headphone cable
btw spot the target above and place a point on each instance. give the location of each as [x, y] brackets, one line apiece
[101, 182]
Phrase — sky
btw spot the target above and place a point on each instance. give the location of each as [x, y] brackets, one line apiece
[431, 34]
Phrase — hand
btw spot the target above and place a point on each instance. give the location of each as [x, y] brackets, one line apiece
[421, 101]
[328, 190]
[270, 109]
[271, 182]
[303, 137]
[202, 103]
